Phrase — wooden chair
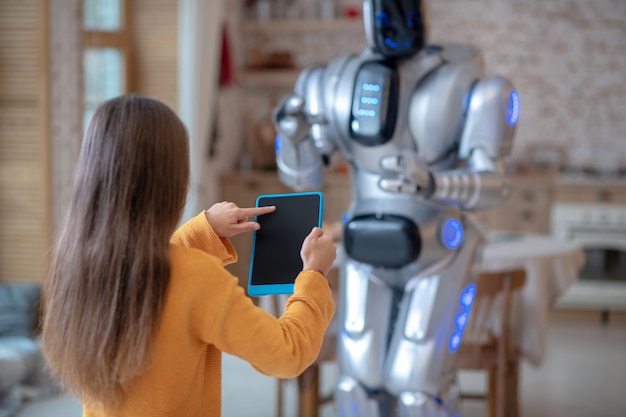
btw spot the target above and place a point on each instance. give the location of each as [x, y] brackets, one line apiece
[497, 354]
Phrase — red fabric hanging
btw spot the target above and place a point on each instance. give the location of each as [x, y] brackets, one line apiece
[227, 74]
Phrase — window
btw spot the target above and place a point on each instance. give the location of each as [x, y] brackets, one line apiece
[106, 52]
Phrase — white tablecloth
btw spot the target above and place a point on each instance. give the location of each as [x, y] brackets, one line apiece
[551, 266]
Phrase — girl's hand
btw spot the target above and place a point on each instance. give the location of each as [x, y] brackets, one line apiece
[227, 219]
[318, 251]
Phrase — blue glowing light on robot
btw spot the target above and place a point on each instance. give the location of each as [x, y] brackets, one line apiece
[452, 233]
[512, 108]
[461, 320]
[369, 100]
[414, 16]
[397, 45]
[277, 144]
[383, 18]
[466, 300]
[370, 87]
[367, 113]
[455, 342]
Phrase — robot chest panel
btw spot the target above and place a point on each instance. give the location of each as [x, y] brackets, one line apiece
[374, 104]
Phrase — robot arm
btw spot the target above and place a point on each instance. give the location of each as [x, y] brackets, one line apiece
[473, 189]
[486, 139]
[300, 151]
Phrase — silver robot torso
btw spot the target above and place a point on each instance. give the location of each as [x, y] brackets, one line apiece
[440, 111]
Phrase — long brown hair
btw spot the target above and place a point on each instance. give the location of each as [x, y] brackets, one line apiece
[110, 265]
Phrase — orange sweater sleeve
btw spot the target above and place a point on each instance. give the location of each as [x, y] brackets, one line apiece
[281, 347]
[197, 233]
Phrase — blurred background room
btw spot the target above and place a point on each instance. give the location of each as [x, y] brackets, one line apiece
[223, 65]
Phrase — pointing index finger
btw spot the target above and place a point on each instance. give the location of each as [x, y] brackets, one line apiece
[257, 211]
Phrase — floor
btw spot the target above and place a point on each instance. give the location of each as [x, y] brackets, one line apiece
[584, 375]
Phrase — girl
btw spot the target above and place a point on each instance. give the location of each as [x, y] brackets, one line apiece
[135, 315]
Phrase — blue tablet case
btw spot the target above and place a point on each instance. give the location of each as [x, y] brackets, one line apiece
[275, 261]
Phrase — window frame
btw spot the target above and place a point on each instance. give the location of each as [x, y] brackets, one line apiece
[120, 39]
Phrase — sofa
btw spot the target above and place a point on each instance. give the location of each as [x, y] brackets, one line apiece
[22, 368]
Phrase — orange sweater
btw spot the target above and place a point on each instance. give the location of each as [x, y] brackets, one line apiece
[206, 313]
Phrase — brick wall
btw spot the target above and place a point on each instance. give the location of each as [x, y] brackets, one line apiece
[567, 58]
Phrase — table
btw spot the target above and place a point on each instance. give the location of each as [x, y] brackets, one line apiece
[551, 266]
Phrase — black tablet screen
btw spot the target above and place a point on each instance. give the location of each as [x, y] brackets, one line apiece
[276, 248]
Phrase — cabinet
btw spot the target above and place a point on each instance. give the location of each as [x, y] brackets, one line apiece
[527, 209]
[244, 187]
[590, 191]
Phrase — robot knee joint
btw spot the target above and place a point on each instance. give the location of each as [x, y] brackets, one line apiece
[353, 400]
[418, 404]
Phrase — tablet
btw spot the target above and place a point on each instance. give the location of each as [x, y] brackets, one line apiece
[275, 262]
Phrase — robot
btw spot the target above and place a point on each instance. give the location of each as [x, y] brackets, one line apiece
[424, 132]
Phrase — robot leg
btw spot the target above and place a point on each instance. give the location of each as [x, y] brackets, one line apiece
[365, 313]
[419, 369]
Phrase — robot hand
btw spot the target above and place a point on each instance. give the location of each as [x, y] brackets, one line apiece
[406, 173]
[291, 119]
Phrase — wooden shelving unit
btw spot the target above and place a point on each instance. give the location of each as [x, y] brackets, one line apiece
[274, 53]
[283, 26]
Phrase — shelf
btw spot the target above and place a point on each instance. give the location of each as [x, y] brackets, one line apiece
[269, 77]
[280, 26]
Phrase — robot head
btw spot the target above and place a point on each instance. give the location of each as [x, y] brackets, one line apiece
[394, 28]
